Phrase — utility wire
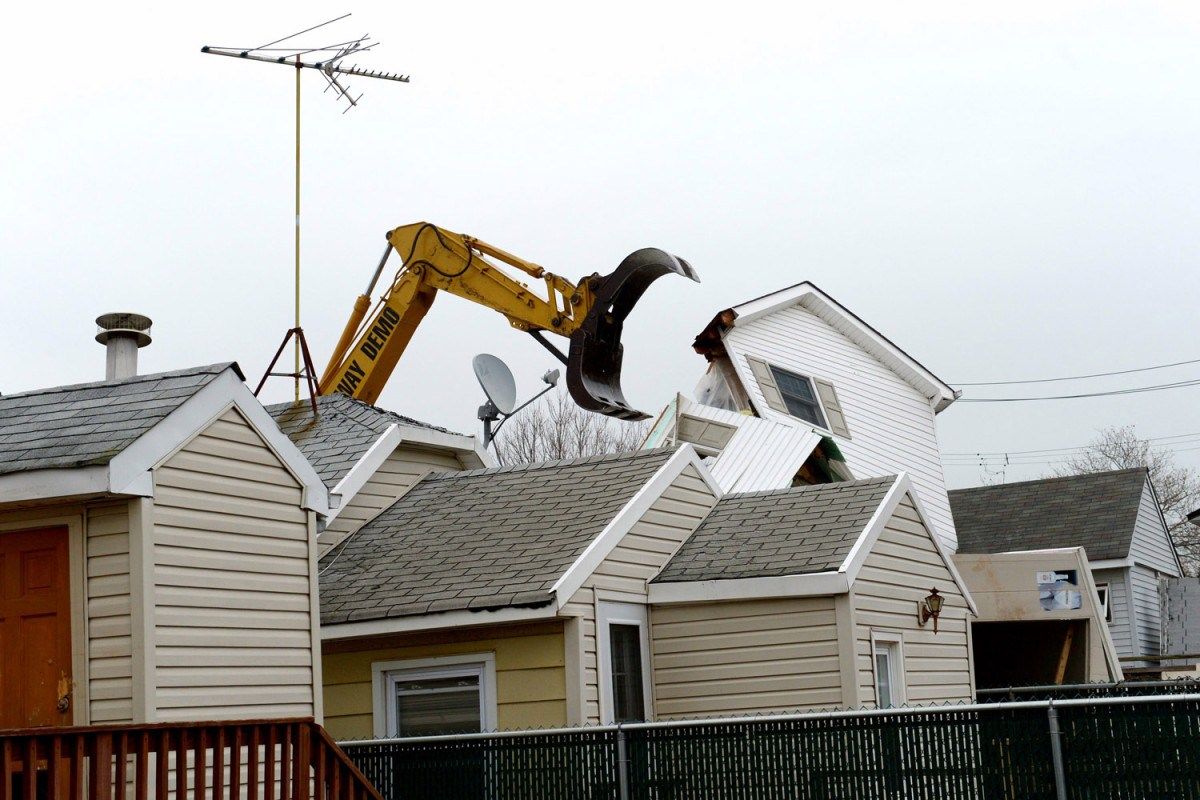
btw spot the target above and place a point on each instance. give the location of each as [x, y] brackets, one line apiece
[1078, 377]
[1062, 449]
[1135, 390]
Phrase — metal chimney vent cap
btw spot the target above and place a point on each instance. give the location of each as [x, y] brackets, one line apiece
[122, 323]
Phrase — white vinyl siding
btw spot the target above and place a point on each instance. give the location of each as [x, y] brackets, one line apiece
[746, 657]
[622, 576]
[1147, 609]
[893, 425]
[109, 627]
[1151, 544]
[233, 633]
[901, 569]
[1118, 602]
[395, 476]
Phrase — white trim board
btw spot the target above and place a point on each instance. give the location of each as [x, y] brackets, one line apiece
[365, 469]
[430, 622]
[599, 549]
[810, 585]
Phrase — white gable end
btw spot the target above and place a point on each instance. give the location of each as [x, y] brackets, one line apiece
[891, 424]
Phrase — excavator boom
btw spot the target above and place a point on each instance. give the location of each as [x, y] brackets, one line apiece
[590, 313]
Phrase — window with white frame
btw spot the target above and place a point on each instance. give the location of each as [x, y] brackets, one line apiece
[425, 697]
[624, 656]
[888, 664]
[1105, 605]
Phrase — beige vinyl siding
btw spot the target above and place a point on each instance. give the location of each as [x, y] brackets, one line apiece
[230, 580]
[747, 657]
[403, 468]
[901, 568]
[892, 424]
[530, 683]
[642, 552]
[109, 627]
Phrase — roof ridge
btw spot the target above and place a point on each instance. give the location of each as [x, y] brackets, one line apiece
[214, 369]
[628, 455]
[1052, 479]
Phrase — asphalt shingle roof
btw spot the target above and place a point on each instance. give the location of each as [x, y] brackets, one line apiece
[87, 424]
[482, 539]
[794, 531]
[342, 433]
[1096, 512]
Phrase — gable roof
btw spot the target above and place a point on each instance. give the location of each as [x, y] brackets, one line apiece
[480, 540]
[811, 297]
[1095, 511]
[796, 531]
[87, 424]
[341, 434]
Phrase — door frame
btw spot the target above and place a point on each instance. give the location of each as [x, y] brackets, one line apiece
[32, 519]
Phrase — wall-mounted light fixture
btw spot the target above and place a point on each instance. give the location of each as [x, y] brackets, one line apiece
[930, 608]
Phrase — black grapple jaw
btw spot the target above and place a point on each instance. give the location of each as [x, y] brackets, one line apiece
[594, 361]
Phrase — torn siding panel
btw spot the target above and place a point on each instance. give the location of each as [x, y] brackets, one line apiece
[893, 426]
[232, 633]
[623, 574]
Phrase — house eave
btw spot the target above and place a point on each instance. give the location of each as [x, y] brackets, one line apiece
[813, 584]
[342, 631]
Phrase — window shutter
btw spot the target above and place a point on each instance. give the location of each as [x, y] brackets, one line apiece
[766, 382]
[833, 409]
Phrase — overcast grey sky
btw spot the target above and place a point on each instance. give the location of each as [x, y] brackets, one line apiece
[1006, 190]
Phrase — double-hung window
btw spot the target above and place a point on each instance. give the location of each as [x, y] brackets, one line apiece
[624, 662]
[804, 397]
[888, 662]
[799, 396]
[427, 697]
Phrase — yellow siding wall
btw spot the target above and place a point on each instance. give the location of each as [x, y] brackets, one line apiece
[231, 573]
[622, 576]
[531, 687]
[403, 468]
[900, 570]
[109, 629]
[748, 657]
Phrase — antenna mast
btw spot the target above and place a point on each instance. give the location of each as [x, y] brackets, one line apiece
[329, 61]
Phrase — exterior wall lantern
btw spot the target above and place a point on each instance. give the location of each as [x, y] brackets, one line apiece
[930, 608]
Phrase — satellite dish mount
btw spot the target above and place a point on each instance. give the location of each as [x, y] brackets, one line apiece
[500, 388]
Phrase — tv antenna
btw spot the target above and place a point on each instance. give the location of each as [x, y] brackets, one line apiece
[498, 385]
[330, 60]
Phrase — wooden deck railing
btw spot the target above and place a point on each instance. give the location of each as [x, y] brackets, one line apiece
[287, 759]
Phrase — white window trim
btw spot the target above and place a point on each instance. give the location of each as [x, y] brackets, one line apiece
[383, 674]
[609, 613]
[894, 642]
[1105, 604]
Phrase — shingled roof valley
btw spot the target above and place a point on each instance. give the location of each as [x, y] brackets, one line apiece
[1097, 511]
[87, 424]
[482, 539]
[341, 434]
[794, 531]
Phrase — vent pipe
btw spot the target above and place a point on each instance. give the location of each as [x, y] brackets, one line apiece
[122, 335]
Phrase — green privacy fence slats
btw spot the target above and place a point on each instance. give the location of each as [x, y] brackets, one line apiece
[1144, 750]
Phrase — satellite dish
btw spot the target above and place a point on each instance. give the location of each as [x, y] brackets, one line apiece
[497, 381]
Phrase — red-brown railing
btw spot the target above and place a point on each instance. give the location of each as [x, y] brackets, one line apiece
[287, 759]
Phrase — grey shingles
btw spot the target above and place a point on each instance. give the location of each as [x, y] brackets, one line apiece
[778, 532]
[479, 539]
[1096, 512]
[88, 424]
[342, 433]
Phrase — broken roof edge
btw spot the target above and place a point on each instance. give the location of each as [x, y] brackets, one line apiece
[938, 392]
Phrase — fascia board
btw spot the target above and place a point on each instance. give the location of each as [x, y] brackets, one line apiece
[811, 585]
[222, 393]
[1112, 563]
[604, 543]
[41, 484]
[429, 622]
[365, 469]
[450, 441]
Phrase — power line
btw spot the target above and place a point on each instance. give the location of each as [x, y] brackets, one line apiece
[1062, 449]
[1112, 392]
[1078, 377]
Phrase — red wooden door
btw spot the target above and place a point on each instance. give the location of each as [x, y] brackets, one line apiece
[35, 628]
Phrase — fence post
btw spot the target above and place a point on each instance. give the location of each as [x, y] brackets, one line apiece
[1060, 776]
[622, 765]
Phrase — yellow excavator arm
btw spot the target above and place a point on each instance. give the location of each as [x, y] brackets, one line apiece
[590, 313]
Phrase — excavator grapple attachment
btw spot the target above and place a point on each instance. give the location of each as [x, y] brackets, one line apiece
[594, 360]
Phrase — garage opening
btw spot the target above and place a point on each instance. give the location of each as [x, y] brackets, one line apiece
[1029, 653]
